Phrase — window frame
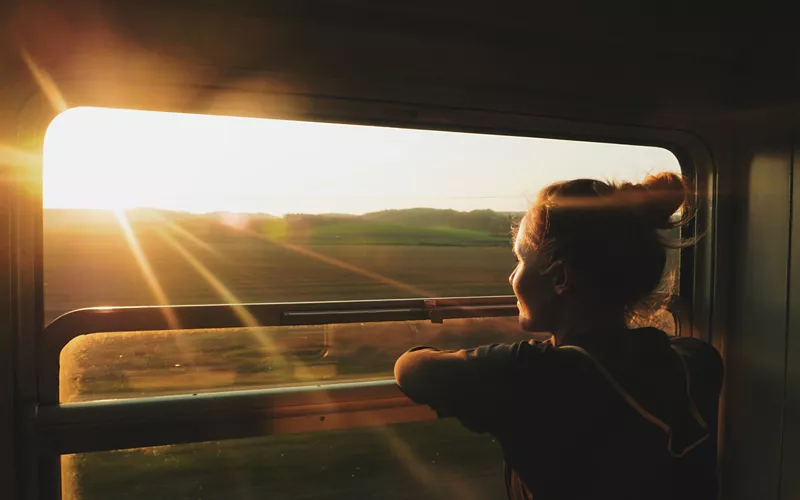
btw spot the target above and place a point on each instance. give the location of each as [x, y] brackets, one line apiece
[23, 209]
[115, 320]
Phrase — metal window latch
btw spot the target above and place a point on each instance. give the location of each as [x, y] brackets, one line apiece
[434, 314]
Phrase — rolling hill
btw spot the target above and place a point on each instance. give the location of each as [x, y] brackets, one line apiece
[415, 227]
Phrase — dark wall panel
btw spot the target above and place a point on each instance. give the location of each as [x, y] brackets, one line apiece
[790, 483]
[756, 330]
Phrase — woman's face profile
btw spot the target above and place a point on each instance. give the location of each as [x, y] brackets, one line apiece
[534, 291]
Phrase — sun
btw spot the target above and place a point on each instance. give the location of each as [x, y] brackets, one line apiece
[78, 164]
[115, 159]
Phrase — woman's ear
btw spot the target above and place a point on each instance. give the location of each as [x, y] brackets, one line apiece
[559, 276]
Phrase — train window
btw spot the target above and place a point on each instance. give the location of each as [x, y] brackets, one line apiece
[162, 209]
[153, 208]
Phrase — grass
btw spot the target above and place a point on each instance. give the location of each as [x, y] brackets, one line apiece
[370, 233]
[428, 460]
[86, 269]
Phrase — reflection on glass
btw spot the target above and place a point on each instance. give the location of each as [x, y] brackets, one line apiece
[118, 365]
[429, 460]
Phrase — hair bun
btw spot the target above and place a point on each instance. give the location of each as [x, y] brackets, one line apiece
[665, 194]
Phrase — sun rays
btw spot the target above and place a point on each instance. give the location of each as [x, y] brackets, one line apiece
[19, 158]
[172, 226]
[46, 84]
[379, 278]
[404, 453]
[145, 268]
[226, 295]
[16, 157]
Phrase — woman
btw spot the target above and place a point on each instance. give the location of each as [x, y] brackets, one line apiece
[600, 410]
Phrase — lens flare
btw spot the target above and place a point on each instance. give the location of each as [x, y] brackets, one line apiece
[403, 451]
[45, 83]
[419, 292]
[241, 312]
[147, 270]
[17, 157]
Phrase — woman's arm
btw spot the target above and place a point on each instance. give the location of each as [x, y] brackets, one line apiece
[430, 376]
[474, 385]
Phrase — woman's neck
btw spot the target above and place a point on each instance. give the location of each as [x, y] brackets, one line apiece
[582, 320]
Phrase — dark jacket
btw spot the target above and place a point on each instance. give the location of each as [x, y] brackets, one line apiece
[618, 415]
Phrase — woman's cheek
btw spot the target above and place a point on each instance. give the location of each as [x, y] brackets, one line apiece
[515, 282]
[522, 293]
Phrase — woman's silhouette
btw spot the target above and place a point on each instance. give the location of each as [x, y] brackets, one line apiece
[601, 410]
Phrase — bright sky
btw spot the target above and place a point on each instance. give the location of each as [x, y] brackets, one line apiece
[107, 158]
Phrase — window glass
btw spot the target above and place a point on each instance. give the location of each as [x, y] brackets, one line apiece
[427, 460]
[147, 208]
[135, 364]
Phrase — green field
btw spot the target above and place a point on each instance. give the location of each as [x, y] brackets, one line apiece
[203, 260]
[371, 233]
[431, 460]
[92, 264]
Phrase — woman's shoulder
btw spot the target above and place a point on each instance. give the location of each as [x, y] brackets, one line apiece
[694, 345]
[697, 350]
[702, 359]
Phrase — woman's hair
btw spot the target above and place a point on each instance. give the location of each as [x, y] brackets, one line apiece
[611, 234]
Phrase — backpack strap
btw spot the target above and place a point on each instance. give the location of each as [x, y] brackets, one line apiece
[642, 411]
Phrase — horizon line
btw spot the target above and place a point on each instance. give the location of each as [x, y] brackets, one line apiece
[236, 212]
